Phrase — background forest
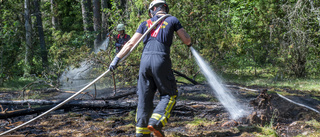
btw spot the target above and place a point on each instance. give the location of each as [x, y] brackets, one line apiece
[276, 39]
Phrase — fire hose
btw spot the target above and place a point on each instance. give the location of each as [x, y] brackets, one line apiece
[90, 84]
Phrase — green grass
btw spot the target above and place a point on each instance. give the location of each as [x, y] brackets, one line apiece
[199, 121]
[258, 131]
[309, 86]
[15, 84]
[314, 123]
[243, 77]
[31, 92]
[267, 132]
[264, 78]
[267, 78]
[247, 78]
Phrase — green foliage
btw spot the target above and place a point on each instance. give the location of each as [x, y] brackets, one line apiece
[10, 39]
[262, 38]
[69, 13]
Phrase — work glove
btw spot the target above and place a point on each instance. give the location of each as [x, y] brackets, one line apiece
[114, 63]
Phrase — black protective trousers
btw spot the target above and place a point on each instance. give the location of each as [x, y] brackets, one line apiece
[155, 74]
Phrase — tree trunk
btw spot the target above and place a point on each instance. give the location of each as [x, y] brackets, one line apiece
[85, 7]
[97, 22]
[44, 53]
[104, 6]
[1, 66]
[86, 16]
[28, 54]
[54, 18]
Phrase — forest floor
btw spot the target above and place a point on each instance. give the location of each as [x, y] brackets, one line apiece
[197, 113]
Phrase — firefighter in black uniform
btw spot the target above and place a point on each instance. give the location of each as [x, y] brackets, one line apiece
[155, 69]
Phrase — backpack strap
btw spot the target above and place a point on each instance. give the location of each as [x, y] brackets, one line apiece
[125, 36]
[153, 32]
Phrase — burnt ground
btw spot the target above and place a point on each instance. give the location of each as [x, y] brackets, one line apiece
[197, 113]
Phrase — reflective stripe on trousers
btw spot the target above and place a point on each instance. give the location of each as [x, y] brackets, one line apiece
[163, 118]
[142, 130]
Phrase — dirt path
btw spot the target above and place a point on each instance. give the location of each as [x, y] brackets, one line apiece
[197, 113]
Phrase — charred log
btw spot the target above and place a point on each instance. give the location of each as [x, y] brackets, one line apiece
[76, 103]
[20, 112]
[109, 104]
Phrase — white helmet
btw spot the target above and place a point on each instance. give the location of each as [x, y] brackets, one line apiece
[157, 2]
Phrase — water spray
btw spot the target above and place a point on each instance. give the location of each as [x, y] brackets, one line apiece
[90, 84]
[103, 46]
[77, 77]
[222, 93]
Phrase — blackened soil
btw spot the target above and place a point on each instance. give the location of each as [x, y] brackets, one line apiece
[197, 113]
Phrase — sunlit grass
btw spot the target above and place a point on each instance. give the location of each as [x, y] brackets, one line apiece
[258, 131]
[267, 78]
[267, 132]
[314, 123]
[310, 86]
[199, 121]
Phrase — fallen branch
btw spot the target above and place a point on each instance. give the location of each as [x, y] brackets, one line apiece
[120, 96]
[182, 75]
[20, 112]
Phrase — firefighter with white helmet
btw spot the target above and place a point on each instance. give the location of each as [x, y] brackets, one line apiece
[155, 72]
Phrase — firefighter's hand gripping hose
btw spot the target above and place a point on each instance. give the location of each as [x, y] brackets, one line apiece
[86, 87]
[114, 63]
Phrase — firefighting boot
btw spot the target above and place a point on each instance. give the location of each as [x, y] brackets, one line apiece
[157, 132]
